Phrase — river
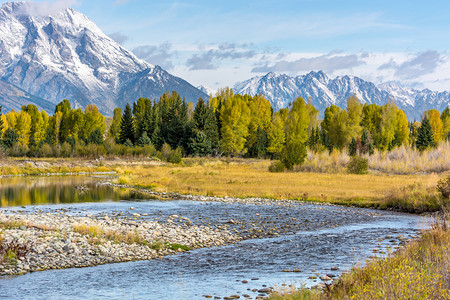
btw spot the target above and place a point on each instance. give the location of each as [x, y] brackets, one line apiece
[311, 239]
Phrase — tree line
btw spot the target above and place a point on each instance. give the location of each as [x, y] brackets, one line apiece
[226, 124]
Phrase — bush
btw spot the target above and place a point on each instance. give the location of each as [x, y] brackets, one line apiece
[18, 150]
[175, 156]
[165, 152]
[66, 150]
[293, 154]
[358, 165]
[444, 187]
[276, 167]
[46, 151]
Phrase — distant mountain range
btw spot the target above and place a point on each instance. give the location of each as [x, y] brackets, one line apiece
[46, 59]
[323, 91]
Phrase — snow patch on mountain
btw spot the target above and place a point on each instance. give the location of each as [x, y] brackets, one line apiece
[281, 89]
[65, 55]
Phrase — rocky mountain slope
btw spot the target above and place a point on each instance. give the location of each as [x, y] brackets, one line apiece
[65, 55]
[323, 91]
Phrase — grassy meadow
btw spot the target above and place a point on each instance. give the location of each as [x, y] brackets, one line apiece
[251, 178]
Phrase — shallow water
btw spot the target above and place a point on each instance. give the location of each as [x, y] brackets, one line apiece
[33, 190]
[312, 238]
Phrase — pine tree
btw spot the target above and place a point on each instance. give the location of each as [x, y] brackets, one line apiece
[366, 143]
[126, 127]
[352, 147]
[200, 144]
[10, 137]
[204, 136]
[325, 140]
[144, 140]
[425, 137]
[96, 137]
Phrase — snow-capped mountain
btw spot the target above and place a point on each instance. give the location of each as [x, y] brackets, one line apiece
[66, 56]
[207, 90]
[282, 89]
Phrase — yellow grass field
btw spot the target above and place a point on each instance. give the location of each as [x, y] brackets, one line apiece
[251, 178]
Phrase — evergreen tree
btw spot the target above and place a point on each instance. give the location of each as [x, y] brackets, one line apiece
[204, 130]
[352, 147]
[425, 137]
[96, 137]
[325, 140]
[10, 137]
[200, 144]
[259, 147]
[144, 140]
[126, 132]
[366, 143]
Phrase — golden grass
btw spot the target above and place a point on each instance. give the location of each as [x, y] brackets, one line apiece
[97, 234]
[419, 271]
[47, 166]
[408, 160]
[244, 178]
[401, 160]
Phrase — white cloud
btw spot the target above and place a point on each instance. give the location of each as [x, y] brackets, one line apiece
[119, 37]
[46, 8]
[329, 63]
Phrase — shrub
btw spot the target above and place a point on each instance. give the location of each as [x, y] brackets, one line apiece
[18, 150]
[175, 156]
[293, 154]
[128, 143]
[165, 152]
[358, 165]
[46, 151]
[66, 149]
[444, 187]
[276, 167]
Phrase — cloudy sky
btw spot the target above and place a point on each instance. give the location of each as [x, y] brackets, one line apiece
[218, 43]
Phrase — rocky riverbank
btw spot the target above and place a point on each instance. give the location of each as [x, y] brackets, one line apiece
[40, 241]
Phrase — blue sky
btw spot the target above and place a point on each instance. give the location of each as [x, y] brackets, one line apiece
[217, 43]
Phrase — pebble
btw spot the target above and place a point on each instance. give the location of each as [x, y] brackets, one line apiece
[67, 248]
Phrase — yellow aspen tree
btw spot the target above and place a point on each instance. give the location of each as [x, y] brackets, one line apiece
[434, 116]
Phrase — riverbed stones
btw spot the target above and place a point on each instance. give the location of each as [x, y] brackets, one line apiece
[61, 241]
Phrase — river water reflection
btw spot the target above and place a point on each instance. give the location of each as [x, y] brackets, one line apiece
[315, 239]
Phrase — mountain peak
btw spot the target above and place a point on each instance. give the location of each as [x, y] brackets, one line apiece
[323, 91]
[56, 52]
